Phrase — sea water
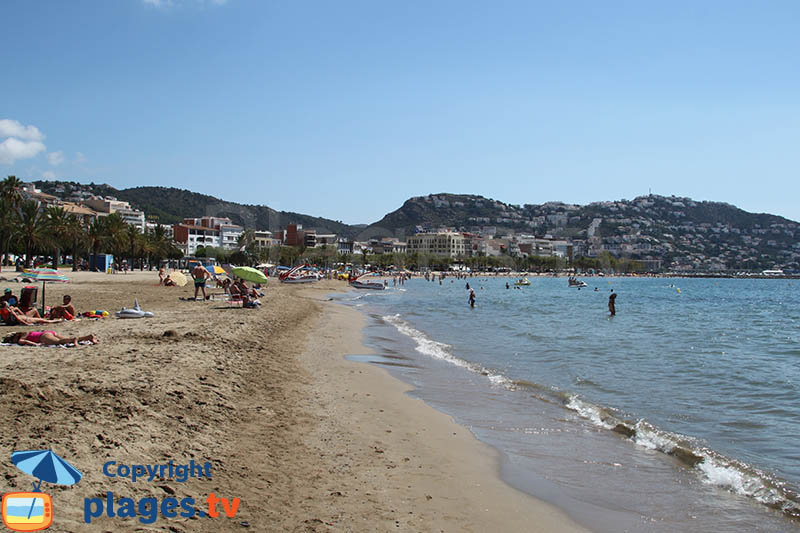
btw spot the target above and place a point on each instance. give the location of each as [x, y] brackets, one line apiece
[682, 412]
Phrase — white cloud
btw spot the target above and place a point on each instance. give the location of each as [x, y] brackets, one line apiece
[22, 142]
[55, 158]
[12, 128]
[80, 158]
[49, 175]
[12, 149]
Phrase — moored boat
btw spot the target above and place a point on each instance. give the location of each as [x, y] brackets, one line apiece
[299, 274]
[357, 284]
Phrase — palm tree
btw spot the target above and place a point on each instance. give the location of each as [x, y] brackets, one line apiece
[159, 244]
[10, 189]
[32, 228]
[75, 234]
[133, 238]
[115, 228]
[10, 198]
[96, 234]
[246, 238]
[58, 226]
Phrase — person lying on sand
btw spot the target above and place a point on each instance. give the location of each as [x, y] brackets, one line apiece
[65, 311]
[12, 316]
[45, 338]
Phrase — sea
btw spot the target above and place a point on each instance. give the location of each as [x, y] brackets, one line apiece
[679, 413]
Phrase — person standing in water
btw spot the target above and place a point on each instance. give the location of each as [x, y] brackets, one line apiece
[612, 308]
[472, 297]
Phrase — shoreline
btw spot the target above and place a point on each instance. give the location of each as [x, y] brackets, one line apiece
[434, 472]
[307, 440]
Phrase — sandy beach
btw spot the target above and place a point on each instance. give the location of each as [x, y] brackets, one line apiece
[307, 440]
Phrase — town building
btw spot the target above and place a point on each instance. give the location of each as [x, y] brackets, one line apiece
[441, 243]
[109, 205]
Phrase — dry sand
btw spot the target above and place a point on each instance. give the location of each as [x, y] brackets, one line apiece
[306, 439]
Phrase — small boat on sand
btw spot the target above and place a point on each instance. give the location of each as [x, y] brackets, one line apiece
[299, 274]
[358, 284]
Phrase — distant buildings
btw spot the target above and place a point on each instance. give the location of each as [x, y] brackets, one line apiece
[108, 205]
[214, 232]
[440, 243]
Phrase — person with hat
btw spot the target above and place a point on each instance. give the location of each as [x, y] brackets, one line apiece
[8, 296]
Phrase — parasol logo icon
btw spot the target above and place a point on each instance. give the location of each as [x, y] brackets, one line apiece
[33, 511]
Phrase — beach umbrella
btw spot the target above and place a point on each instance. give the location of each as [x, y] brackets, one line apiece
[216, 269]
[178, 277]
[249, 274]
[45, 465]
[44, 275]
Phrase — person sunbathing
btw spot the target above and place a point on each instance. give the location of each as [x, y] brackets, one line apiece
[12, 316]
[65, 311]
[45, 338]
[168, 282]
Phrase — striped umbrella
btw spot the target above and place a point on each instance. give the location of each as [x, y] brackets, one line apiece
[45, 465]
[44, 275]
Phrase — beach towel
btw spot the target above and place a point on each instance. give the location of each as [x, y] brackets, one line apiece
[48, 345]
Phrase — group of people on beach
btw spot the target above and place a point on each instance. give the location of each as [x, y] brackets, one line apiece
[12, 314]
[235, 288]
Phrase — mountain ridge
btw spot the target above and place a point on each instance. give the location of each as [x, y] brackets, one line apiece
[676, 231]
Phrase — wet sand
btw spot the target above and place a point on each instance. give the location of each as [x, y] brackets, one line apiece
[306, 439]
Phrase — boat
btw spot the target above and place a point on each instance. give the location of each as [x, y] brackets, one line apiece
[524, 282]
[356, 284]
[574, 282]
[299, 274]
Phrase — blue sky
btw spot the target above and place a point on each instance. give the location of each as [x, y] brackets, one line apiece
[345, 109]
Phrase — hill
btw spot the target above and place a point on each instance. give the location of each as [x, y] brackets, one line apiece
[677, 232]
[666, 232]
[169, 205]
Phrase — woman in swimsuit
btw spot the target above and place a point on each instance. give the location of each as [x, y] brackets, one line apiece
[45, 338]
[12, 316]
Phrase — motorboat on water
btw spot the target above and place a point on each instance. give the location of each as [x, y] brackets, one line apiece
[299, 274]
[358, 284]
[524, 282]
[574, 282]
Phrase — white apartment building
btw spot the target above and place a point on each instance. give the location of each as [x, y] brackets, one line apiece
[110, 205]
[442, 243]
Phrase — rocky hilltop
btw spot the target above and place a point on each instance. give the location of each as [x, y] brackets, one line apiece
[668, 231]
[679, 232]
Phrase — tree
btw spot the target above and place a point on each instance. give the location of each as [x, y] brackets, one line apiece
[96, 234]
[58, 226]
[75, 234]
[133, 238]
[32, 228]
[115, 234]
[10, 198]
[288, 255]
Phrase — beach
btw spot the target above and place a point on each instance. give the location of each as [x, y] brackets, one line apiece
[305, 439]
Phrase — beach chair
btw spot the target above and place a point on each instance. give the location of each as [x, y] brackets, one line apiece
[27, 298]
